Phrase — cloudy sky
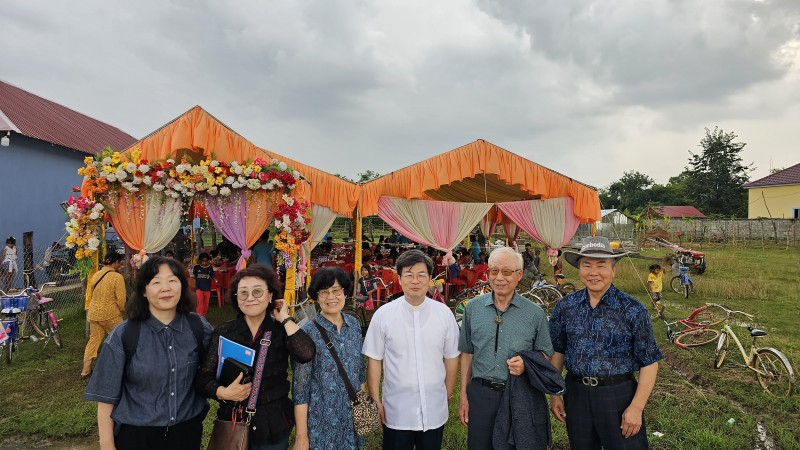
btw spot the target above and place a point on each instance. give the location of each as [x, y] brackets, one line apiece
[588, 88]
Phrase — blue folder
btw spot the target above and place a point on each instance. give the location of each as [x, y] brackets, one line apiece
[229, 349]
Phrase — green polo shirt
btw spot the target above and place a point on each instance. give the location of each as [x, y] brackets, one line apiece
[524, 327]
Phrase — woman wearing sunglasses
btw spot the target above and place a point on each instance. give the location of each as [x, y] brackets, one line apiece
[256, 295]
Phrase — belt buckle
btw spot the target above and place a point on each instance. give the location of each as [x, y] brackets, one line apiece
[589, 381]
[497, 386]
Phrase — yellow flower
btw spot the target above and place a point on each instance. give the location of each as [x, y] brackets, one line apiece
[108, 169]
[172, 173]
[256, 169]
[218, 169]
[70, 239]
[220, 180]
[115, 159]
[205, 162]
[79, 254]
[88, 160]
[136, 155]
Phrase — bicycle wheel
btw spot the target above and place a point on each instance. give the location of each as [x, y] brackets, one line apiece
[54, 332]
[349, 310]
[567, 288]
[774, 372]
[550, 295]
[458, 311]
[722, 350]
[708, 316]
[696, 337]
[675, 284]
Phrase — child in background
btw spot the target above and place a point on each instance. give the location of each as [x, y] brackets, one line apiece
[203, 274]
[654, 282]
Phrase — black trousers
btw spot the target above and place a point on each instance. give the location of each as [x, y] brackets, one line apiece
[183, 436]
[594, 416]
[483, 405]
[412, 440]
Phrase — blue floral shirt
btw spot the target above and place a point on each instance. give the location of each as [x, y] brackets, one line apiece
[614, 338]
[318, 384]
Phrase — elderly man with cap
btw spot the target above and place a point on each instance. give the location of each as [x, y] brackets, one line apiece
[602, 336]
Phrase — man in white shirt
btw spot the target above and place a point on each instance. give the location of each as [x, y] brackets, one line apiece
[414, 339]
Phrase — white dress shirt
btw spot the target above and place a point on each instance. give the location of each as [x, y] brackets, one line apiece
[412, 343]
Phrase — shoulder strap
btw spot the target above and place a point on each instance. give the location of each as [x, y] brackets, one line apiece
[101, 279]
[258, 374]
[196, 325]
[130, 339]
[329, 345]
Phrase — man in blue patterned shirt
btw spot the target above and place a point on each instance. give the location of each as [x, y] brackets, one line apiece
[602, 336]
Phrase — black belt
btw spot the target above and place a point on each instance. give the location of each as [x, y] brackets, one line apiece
[597, 381]
[494, 385]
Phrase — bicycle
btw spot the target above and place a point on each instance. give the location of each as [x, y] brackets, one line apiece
[11, 307]
[544, 294]
[358, 309]
[772, 368]
[682, 284]
[303, 311]
[41, 316]
[696, 330]
[460, 300]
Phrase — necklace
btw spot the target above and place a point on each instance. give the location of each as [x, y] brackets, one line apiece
[498, 319]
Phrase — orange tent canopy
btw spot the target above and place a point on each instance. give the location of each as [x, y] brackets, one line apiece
[480, 172]
[197, 134]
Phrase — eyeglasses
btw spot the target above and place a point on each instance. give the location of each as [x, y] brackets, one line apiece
[415, 276]
[332, 292]
[505, 272]
[256, 293]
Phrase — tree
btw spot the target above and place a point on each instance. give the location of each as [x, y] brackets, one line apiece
[630, 193]
[714, 180]
[363, 177]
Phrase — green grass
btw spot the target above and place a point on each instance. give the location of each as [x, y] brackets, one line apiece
[691, 403]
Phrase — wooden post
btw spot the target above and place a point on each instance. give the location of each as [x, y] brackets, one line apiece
[27, 252]
[357, 251]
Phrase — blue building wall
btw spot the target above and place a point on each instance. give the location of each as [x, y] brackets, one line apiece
[36, 177]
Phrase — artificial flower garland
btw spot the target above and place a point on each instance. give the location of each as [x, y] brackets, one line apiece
[85, 216]
[110, 172]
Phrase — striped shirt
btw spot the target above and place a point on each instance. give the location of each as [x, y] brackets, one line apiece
[523, 327]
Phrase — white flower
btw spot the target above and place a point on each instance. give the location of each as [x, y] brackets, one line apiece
[134, 189]
[278, 183]
[144, 168]
[273, 161]
[213, 190]
[171, 161]
[93, 242]
[98, 207]
[229, 180]
[238, 170]
[130, 167]
[106, 160]
[158, 187]
[214, 163]
[291, 186]
[146, 180]
[121, 174]
[225, 191]
[253, 184]
[160, 173]
[173, 194]
[282, 165]
[287, 199]
[270, 184]
[180, 168]
[190, 185]
[127, 185]
[71, 209]
[136, 180]
[189, 193]
[70, 245]
[296, 175]
[178, 187]
[111, 178]
[248, 171]
[241, 179]
[73, 223]
[277, 224]
[94, 215]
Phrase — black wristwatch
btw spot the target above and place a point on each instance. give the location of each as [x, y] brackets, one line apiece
[283, 322]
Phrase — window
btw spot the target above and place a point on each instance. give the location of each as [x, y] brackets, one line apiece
[796, 213]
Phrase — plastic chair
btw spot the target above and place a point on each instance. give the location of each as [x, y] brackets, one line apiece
[219, 291]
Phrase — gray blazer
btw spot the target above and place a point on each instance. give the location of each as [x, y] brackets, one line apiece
[523, 419]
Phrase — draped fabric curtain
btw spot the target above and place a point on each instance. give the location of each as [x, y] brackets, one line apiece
[489, 222]
[511, 229]
[550, 222]
[242, 217]
[162, 220]
[321, 220]
[441, 225]
[128, 218]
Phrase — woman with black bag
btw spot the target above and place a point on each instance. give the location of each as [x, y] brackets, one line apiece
[264, 325]
[323, 413]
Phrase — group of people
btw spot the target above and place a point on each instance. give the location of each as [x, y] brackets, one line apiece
[509, 356]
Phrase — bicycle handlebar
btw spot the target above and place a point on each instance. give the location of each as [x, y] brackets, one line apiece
[731, 312]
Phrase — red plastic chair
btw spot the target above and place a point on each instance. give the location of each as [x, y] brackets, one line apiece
[217, 289]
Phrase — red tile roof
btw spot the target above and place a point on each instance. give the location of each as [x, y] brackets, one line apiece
[678, 212]
[39, 118]
[784, 177]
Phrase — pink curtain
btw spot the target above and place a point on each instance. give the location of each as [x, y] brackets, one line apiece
[511, 229]
[437, 224]
[551, 222]
[489, 222]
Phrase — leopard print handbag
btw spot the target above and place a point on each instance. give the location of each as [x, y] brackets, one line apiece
[366, 418]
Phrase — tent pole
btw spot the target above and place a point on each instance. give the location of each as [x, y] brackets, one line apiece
[357, 243]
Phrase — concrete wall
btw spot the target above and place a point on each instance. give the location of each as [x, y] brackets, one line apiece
[36, 177]
[775, 201]
[745, 231]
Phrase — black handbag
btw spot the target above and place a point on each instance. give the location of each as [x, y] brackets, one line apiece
[234, 435]
[366, 417]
